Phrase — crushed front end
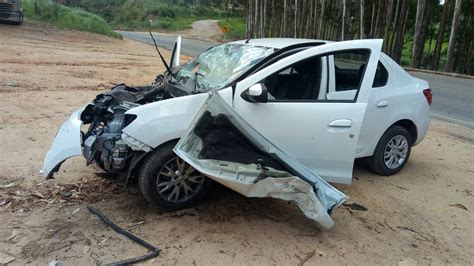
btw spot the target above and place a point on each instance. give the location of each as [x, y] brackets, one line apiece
[101, 140]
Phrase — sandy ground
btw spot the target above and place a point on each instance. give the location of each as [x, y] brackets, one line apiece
[206, 30]
[422, 215]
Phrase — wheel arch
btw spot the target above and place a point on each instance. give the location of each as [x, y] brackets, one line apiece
[135, 167]
[410, 126]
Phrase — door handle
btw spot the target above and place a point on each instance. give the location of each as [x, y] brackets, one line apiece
[341, 123]
[382, 104]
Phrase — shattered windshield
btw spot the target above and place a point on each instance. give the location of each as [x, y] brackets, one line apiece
[220, 65]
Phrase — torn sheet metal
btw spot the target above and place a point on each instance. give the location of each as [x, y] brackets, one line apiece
[66, 144]
[221, 145]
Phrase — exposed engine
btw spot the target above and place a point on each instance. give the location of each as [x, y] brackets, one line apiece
[102, 142]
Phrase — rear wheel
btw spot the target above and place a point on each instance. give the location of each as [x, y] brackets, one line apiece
[167, 181]
[392, 151]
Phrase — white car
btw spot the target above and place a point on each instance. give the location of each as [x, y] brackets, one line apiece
[320, 104]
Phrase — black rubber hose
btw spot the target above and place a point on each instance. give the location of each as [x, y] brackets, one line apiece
[154, 250]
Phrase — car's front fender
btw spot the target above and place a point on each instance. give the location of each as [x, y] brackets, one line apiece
[159, 122]
[66, 144]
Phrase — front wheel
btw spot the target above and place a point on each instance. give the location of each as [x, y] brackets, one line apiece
[392, 151]
[167, 181]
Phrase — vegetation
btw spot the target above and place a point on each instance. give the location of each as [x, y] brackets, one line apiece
[67, 17]
[165, 15]
[417, 33]
[236, 26]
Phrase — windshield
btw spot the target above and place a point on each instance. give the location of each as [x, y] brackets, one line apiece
[220, 65]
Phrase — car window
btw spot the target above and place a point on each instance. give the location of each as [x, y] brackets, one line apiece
[349, 69]
[301, 81]
[381, 76]
[332, 77]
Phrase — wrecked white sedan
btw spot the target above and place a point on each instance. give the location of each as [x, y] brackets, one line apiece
[264, 117]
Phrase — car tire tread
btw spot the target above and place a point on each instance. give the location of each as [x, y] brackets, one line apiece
[148, 174]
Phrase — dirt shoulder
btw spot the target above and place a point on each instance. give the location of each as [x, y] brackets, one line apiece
[45, 74]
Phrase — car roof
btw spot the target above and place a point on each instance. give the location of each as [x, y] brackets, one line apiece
[278, 43]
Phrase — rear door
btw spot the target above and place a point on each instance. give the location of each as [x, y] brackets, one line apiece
[316, 104]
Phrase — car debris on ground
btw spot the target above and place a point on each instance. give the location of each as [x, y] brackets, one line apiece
[154, 251]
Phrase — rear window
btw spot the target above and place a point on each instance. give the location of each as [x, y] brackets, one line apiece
[381, 76]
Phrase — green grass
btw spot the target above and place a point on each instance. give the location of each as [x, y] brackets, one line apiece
[68, 18]
[237, 28]
[135, 15]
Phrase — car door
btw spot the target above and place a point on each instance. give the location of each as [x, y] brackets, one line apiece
[316, 113]
[175, 54]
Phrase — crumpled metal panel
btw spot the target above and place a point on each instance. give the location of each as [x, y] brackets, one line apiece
[295, 183]
[66, 144]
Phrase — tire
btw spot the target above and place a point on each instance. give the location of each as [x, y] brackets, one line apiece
[396, 142]
[163, 169]
[19, 22]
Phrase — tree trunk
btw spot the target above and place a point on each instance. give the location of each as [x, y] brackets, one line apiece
[285, 12]
[418, 40]
[296, 18]
[321, 16]
[372, 21]
[378, 21]
[362, 7]
[469, 59]
[398, 46]
[394, 27]
[249, 20]
[452, 37]
[440, 38]
[343, 19]
[388, 23]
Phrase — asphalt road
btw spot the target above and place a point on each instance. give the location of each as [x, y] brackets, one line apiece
[453, 97]
[188, 46]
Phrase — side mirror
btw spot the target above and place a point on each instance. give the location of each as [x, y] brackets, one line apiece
[257, 93]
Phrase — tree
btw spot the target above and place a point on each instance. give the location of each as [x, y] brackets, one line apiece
[419, 39]
[398, 46]
[440, 38]
[362, 7]
[452, 37]
[321, 16]
[343, 19]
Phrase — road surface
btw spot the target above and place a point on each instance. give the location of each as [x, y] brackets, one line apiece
[453, 97]
[188, 46]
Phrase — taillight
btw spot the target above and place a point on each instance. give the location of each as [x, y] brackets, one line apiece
[428, 95]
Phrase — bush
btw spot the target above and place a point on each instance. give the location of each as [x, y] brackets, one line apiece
[237, 28]
[66, 17]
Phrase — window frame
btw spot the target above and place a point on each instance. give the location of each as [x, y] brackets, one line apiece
[368, 53]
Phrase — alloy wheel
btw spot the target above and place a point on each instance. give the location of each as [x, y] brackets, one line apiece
[396, 152]
[178, 181]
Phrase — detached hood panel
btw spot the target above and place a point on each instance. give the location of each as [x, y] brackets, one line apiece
[224, 147]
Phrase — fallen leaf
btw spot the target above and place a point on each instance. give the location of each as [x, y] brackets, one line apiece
[355, 206]
[103, 241]
[12, 184]
[460, 206]
[38, 194]
[75, 211]
[13, 234]
[320, 253]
